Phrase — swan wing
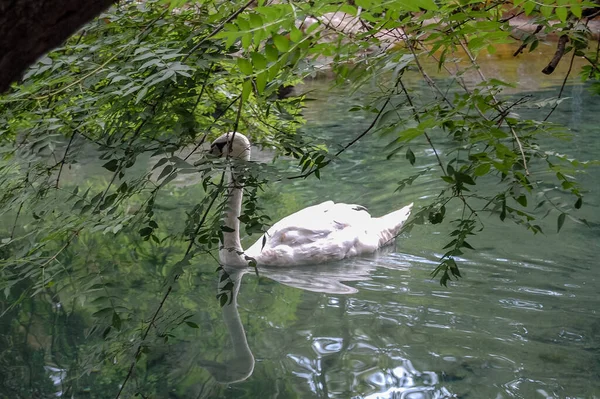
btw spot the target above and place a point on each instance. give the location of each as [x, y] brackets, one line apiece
[324, 230]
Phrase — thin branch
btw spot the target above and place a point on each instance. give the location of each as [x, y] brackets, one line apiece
[62, 162]
[76, 82]
[562, 87]
[497, 105]
[593, 64]
[429, 81]
[524, 44]
[560, 51]
[360, 136]
[419, 121]
[139, 349]
[208, 129]
[12, 232]
[218, 28]
[201, 222]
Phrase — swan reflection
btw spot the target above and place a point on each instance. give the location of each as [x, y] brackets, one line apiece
[327, 278]
[328, 362]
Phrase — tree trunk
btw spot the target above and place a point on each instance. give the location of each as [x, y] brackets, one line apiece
[31, 28]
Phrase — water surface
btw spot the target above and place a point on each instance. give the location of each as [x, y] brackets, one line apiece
[522, 323]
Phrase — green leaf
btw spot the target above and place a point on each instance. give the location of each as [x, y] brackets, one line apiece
[444, 279]
[192, 324]
[116, 321]
[108, 201]
[145, 232]
[467, 245]
[387, 117]
[111, 165]
[243, 23]
[560, 221]
[528, 7]
[522, 199]
[482, 169]
[579, 203]
[167, 169]
[296, 34]
[271, 53]
[464, 178]
[561, 13]
[503, 211]
[261, 82]
[281, 42]
[410, 155]
[246, 89]
[246, 41]
[141, 94]
[576, 9]
[256, 21]
[222, 299]
[245, 66]
[410, 134]
[534, 45]
[258, 61]
[546, 11]
[428, 5]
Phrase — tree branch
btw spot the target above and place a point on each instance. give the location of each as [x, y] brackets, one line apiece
[560, 51]
[31, 28]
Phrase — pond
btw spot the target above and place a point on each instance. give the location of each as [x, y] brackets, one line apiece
[523, 321]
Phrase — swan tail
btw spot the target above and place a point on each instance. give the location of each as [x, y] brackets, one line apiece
[391, 224]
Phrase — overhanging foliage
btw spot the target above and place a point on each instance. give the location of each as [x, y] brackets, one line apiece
[155, 78]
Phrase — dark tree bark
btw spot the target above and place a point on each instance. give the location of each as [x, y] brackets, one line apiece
[31, 28]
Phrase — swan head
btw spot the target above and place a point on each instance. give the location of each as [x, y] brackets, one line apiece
[232, 145]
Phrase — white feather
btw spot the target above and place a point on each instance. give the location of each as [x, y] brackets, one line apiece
[317, 234]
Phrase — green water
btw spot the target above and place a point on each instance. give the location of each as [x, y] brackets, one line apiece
[522, 323]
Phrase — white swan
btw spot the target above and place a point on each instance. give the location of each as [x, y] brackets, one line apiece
[317, 234]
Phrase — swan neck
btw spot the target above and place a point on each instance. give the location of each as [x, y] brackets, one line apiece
[232, 247]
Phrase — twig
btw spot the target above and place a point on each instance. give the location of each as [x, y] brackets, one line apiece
[429, 81]
[497, 105]
[76, 82]
[360, 136]
[218, 29]
[62, 162]
[524, 44]
[208, 129]
[139, 349]
[12, 233]
[201, 222]
[562, 87]
[419, 121]
[511, 17]
[560, 51]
